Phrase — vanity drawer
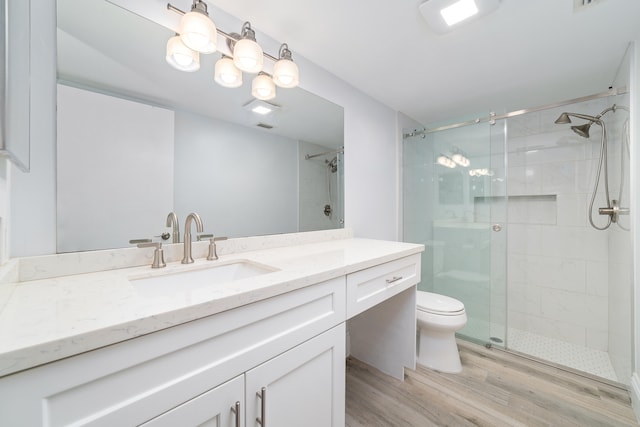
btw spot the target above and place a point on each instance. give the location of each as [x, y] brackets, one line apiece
[369, 287]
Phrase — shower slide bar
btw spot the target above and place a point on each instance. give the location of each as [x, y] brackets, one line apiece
[311, 156]
[493, 117]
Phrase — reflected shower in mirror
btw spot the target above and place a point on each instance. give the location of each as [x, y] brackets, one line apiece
[138, 139]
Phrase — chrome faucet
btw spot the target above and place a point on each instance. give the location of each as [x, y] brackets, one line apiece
[172, 221]
[187, 259]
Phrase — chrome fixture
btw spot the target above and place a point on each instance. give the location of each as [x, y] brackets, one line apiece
[212, 255]
[158, 253]
[198, 34]
[187, 258]
[311, 156]
[613, 210]
[172, 221]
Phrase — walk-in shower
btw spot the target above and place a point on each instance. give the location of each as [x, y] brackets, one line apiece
[321, 171]
[509, 233]
[613, 209]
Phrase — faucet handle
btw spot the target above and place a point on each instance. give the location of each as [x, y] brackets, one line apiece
[135, 241]
[200, 237]
[158, 253]
[213, 254]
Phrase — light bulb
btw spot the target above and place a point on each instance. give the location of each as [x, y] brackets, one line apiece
[285, 71]
[247, 56]
[198, 32]
[181, 57]
[263, 88]
[226, 73]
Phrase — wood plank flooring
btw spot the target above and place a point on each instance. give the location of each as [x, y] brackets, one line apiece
[496, 388]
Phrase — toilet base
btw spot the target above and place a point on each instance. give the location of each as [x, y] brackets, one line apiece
[439, 351]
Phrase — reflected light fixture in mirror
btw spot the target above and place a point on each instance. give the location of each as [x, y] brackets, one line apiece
[247, 53]
[180, 56]
[262, 87]
[227, 74]
[197, 30]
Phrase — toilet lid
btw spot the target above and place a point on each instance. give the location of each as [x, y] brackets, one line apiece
[438, 304]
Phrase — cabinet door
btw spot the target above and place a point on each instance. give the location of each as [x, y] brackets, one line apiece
[302, 387]
[222, 406]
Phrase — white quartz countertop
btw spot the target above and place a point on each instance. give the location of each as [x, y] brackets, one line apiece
[51, 318]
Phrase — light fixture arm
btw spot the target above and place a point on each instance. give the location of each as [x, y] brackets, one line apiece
[233, 36]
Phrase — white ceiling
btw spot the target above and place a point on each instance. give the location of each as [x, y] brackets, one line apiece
[526, 54]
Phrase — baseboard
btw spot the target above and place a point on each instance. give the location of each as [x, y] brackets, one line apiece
[635, 394]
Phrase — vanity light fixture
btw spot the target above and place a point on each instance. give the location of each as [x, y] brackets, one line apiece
[180, 56]
[285, 71]
[227, 74]
[263, 87]
[197, 30]
[247, 53]
[460, 159]
[445, 15]
[199, 34]
[446, 161]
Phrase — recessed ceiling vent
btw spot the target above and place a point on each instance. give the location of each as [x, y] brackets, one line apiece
[264, 125]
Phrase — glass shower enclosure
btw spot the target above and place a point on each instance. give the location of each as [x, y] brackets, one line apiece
[502, 206]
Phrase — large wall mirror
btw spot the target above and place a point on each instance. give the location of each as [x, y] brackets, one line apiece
[138, 139]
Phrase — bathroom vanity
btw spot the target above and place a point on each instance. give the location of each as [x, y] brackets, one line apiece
[142, 346]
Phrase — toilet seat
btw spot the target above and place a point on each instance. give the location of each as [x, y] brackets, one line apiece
[438, 304]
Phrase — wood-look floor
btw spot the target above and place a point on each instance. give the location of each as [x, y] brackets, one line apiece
[495, 388]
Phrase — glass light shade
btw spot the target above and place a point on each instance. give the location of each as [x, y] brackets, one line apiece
[198, 32]
[263, 87]
[285, 73]
[181, 57]
[247, 56]
[227, 74]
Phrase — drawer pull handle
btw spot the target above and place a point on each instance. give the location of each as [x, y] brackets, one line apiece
[395, 279]
[263, 404]
[236, 410]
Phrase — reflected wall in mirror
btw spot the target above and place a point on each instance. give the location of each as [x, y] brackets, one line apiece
[138, 139]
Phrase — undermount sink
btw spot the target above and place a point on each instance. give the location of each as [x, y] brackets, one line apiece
[189, 280]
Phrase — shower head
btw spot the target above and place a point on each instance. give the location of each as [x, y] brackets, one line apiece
[333, 164]
[563, 119]
[582, 130]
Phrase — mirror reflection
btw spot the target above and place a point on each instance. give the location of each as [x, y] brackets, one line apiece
[138, 139]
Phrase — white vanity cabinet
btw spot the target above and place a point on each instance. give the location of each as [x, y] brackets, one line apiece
[281, 343]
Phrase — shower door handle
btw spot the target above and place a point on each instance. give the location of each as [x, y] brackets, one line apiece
[496, 227]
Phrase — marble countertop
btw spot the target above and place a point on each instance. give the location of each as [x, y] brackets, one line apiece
[50, 318]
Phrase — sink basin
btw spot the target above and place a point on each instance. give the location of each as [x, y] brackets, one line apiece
[185, 281]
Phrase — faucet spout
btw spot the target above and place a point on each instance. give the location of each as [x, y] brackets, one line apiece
[172, 221]
[187, 258]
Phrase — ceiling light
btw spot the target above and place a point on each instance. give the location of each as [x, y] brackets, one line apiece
[262, 87]
[445, 15]
[180, 56]
[247, 54]
[260, 107]
[197, 31]
[285, 71]
[459, 11]
[226, 73]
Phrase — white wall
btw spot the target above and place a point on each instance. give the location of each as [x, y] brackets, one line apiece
[241, 181]
[114, 170]
[371, 198]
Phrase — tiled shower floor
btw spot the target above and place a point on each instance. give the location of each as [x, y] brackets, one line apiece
[571, 355]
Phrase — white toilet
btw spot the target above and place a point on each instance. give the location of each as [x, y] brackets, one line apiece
[439, 317]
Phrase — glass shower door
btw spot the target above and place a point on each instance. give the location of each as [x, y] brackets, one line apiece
[454, 204]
